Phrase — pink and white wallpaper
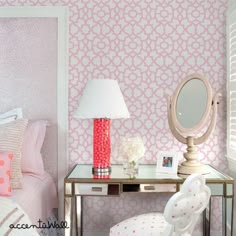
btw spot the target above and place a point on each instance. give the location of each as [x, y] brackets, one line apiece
[149, 46]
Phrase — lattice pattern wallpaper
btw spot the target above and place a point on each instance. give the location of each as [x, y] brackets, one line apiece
[149, 46]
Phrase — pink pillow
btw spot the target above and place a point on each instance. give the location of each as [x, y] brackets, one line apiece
[32, 162]
[11, 140]
[5, 172]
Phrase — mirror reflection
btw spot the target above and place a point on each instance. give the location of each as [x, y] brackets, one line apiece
[191, 103]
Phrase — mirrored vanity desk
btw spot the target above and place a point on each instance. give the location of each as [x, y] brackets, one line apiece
[80, 183]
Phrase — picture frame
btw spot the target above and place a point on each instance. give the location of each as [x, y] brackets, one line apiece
[167, 163]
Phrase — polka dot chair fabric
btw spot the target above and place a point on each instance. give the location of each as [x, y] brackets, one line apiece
[180, 215]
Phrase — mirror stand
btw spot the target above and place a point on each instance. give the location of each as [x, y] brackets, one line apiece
[192, 164]
[184, 135]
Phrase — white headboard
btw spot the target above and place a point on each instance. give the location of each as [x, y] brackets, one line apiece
[33, 75]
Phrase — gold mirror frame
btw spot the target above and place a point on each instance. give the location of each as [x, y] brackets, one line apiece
[185, 135]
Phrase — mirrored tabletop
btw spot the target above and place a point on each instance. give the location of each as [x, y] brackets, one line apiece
[147, 172]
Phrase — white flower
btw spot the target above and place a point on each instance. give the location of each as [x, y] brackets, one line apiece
[131, 149]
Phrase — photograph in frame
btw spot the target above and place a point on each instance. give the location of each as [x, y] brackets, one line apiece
[167, 164]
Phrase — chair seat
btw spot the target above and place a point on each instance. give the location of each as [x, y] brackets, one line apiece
[151, 224]
[180, 215]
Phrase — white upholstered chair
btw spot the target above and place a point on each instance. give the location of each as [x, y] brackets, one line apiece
[180, 215]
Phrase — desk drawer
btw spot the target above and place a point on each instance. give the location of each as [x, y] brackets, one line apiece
[91, 189]
[150, 188]
[158, 188]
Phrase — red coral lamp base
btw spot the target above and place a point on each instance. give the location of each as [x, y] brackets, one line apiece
[101, 149]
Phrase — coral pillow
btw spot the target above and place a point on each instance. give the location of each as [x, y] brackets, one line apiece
[11, 140]
[32, 162]
[5, 172]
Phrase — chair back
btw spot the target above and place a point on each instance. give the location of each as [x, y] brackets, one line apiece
[183, 209]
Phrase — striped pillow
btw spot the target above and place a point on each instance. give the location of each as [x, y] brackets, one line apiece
[11, 140]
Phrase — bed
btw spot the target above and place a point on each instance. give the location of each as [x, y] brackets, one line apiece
[33, 87]
[36, 212]
[40, 208]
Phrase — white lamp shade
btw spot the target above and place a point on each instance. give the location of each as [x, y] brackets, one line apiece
[102, 98]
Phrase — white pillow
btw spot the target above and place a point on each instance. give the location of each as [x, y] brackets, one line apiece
[11, 115]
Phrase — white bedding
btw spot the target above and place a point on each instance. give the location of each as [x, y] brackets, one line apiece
[13, 219]
[38, 197]
[31, 205]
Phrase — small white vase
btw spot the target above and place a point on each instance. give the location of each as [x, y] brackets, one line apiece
[131, 169]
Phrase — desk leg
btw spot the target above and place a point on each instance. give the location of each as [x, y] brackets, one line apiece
[79, 218]
[227, 216]
[207, 220]
[68, 213]
[204, 222]
[232, 217]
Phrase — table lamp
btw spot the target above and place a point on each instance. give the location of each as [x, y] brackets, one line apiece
[101, 101]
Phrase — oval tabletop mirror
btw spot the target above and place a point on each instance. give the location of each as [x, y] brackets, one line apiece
[189, 110]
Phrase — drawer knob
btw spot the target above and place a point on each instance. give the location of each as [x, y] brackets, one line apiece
[149, 187]
[96, 189]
